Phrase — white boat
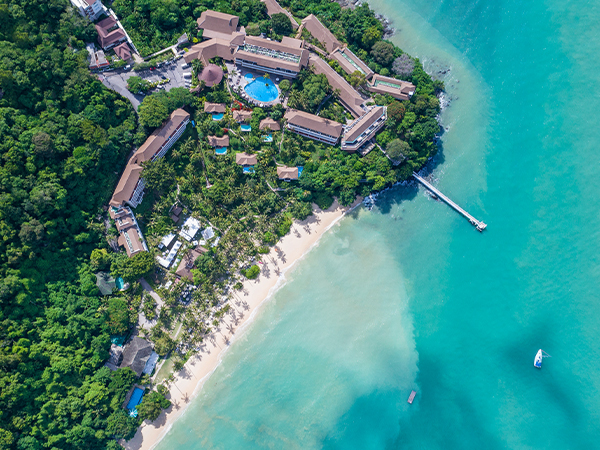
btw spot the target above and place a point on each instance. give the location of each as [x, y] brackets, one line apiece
[537, 362]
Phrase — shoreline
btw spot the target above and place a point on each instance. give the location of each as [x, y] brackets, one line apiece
[303, 236]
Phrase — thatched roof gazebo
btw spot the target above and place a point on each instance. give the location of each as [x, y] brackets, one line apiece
[211, 75]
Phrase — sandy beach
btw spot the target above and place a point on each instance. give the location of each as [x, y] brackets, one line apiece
[189, 380]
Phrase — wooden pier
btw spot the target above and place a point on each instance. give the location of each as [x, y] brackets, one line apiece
[480, 226]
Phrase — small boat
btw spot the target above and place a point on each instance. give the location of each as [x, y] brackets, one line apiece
[537, 362]
[412, 397]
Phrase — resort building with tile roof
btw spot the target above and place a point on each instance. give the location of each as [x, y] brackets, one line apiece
[349, 97]
[242, 115]
[130, 189]
[214, 108]
[245, 159]
[218, 25]
[287, 173]
[109, 33]
[313, 127]
[350, 62]
[123, 51]
[136, 354]
[269, 124]
[401, 90]
[215, 141]
[363, 129]
[213, 48]
[321, 33]
[280, 58]
[130, 235]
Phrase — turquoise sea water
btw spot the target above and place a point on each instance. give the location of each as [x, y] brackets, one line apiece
[410, 296]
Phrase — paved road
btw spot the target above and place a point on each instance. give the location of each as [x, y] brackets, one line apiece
[117, 79]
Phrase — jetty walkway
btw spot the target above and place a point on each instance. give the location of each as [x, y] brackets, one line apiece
[480, 226]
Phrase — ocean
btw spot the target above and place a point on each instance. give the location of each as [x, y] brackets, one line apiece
[409, 296]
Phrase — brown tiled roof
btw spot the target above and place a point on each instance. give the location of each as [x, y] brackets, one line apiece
[338, 55]
[270, 124]
[403, 91]
[287, 173]
[292, 42]
[312, 122]
[360, 125]
[135, 239]
[215, 141]
[187, 263]
[321, 33]
[222, 48]
[156, 140]
[245, 159]
[272, 62]
[105, 37]
[135, 354]
[242, 115]
[211, 75]
[217, 24]
[146, 152]
[127, 183]
[349, 97]
[273, 8]
[123, 51]
[214, 107]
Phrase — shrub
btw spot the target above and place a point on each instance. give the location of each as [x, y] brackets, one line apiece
[284, 227]
[252, 272]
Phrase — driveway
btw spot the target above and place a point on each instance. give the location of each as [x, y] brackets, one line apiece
[117, 79]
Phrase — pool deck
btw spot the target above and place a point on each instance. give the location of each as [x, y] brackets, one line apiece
[239, 82]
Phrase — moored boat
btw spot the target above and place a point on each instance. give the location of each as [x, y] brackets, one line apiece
[537, 362]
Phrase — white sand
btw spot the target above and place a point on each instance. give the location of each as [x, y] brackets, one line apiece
[190, 379]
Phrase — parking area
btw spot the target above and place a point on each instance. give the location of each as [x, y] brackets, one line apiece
[172, 70]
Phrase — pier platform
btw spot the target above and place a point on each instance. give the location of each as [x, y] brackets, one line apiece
[479, 225]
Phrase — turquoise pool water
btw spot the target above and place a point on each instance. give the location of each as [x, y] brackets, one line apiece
[249, 169]
[221, 151]
[268, 138]
[246, 127]
[262, 89]
[217, 116]
[300, 168]
[119, 283]
[135, 399]
[249, 77]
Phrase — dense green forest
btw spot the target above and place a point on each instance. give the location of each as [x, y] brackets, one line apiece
[63, 142]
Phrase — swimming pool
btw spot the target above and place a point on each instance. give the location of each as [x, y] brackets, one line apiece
[268, 138]
[248, 169]
[262, 89]
[300, 169]
[217, 116]
[249, 77]
[221, 150]
[135, 399]
[246, 127]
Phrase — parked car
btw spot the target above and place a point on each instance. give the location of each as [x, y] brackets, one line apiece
[127, 67]
[185, 65]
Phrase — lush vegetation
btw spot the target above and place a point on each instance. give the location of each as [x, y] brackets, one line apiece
[156, 24]
[64, 141]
